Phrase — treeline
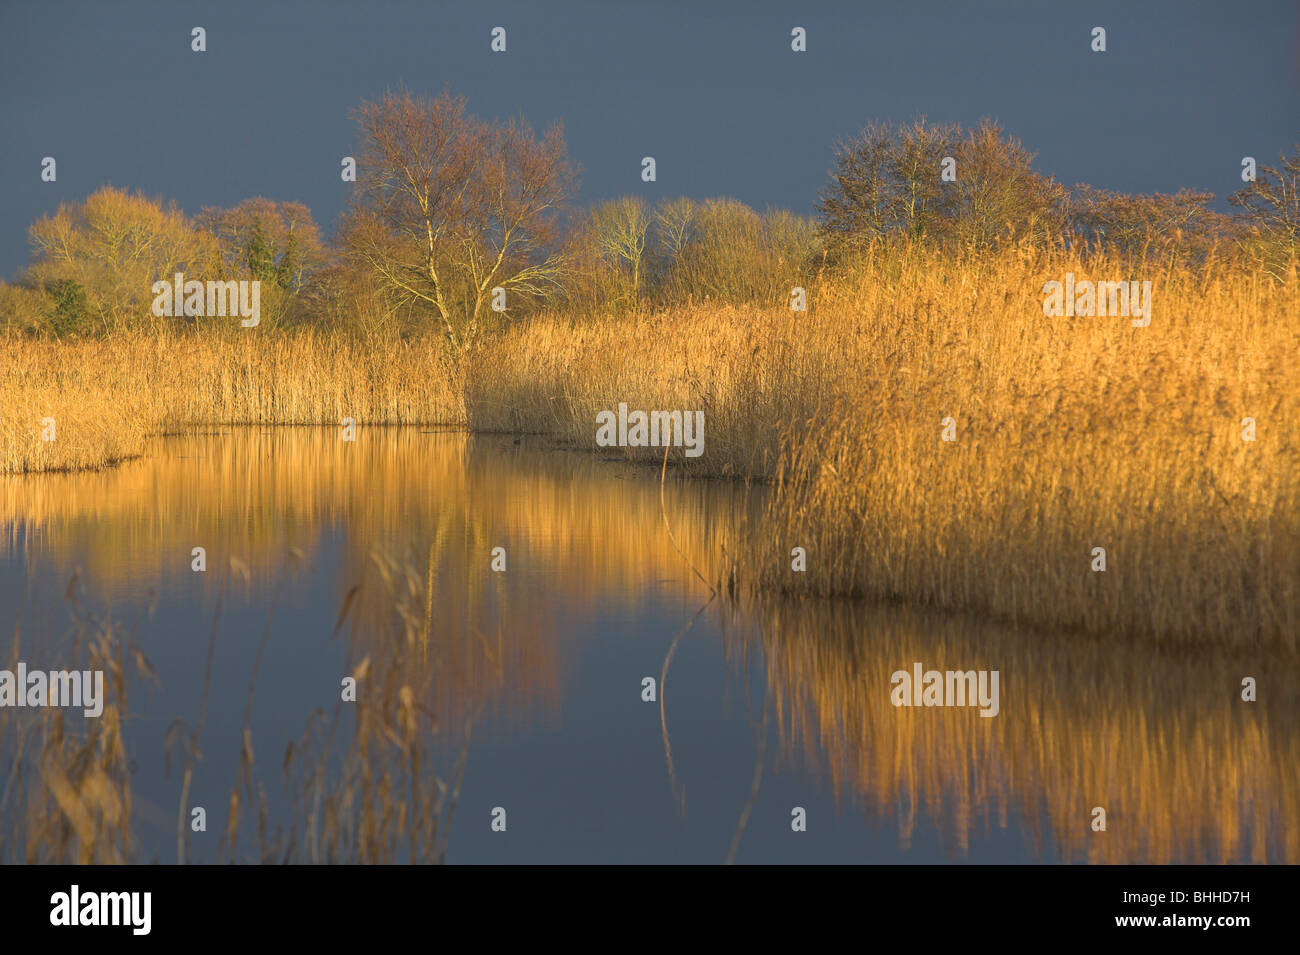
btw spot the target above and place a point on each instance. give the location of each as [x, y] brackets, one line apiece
[95, 262]
[459, 224]
[976, 190]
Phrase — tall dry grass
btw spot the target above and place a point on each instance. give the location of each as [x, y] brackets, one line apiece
[98, 416]
[107, 396]
[1071, 434]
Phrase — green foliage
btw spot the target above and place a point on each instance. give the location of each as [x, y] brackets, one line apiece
[71, 315]
[284, 272]
[261, 260]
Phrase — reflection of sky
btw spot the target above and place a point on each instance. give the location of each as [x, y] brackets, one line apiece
[583, 778]
[597, 789]
[566, 745]
[590, 786]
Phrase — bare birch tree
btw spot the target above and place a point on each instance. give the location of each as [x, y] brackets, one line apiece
[450, 207]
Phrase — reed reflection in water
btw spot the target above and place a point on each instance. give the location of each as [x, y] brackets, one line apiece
[471, 676]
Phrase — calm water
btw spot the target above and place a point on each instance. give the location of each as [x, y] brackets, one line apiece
[374, 558]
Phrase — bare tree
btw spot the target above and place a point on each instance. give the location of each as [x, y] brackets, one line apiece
[450, 207]
[674, 223]
[853, 206]
[886, 181]
[889, 182]
[1271, 207]
[998, 196]
[1142, 226]
[620, 227]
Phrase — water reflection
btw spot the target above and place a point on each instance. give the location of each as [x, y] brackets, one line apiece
[1186, 771]
[482, 677]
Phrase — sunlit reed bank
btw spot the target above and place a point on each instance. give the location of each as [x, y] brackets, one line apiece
[107, 396]
[1186, 771]
[1069, 434]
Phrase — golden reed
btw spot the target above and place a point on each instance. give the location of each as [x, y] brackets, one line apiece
[1070, 434]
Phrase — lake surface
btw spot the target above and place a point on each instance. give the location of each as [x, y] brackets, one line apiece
[327, 559]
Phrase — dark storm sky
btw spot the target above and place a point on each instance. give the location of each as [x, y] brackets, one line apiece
[711, 90]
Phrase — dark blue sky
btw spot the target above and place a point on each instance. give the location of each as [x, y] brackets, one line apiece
[711, 90]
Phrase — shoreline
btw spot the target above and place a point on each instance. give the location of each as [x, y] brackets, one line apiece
[1076, 472]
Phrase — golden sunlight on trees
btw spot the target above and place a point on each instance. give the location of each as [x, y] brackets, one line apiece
[619, 227]
[113, 246]
[275, 243]
[449, 207]
[999, 197]
[625, 255]
[462, 225]
[1158, 225]
[888, 182]
[885, 181]
[674, 226]
[1271, 205]
[734, 254]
